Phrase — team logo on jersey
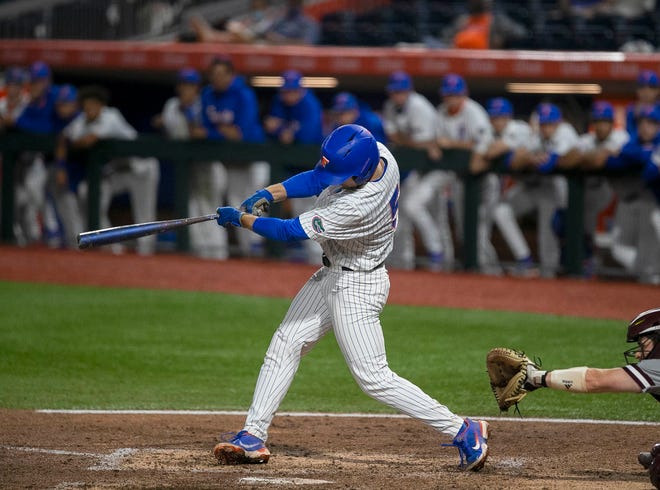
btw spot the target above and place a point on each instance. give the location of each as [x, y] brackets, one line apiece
[317, 224]
[324, 161]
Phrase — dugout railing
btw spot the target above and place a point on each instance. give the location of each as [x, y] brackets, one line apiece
[284, 161]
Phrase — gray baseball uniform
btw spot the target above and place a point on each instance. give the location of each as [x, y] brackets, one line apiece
[355, 228]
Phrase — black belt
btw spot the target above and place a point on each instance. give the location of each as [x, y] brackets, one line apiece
[326, 262]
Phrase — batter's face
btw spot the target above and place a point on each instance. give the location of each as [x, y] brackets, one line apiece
[602, 129]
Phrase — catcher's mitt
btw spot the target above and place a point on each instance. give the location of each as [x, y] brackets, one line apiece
[507, 370]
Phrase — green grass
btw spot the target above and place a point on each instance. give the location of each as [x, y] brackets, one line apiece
[83, 347]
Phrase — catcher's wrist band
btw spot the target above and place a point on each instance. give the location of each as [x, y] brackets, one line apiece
[573, 379]
[543, 383]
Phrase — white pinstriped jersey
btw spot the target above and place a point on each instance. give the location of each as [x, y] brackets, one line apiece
[470, 123]
[646, 374]
[416, 118]
[355, 227]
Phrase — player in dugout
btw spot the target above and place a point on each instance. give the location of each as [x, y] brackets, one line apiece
[354, 220]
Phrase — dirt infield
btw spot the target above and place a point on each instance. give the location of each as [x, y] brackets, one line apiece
[174, 451]
[55, 450]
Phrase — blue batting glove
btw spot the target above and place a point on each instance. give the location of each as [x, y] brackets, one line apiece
[257, 203]
[229, 216]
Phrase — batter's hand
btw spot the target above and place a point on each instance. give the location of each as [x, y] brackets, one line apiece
[258, 203]
[229, 216]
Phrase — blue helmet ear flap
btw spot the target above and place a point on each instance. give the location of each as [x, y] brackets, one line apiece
[349, 151]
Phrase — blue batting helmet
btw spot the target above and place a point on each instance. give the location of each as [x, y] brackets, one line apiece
[349, 151]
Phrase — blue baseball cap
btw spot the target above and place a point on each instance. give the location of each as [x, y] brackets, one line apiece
[344, 101]
[647, 78]
[67, 93]
[548, 113]
[602, 111]
[15, 75]
[39, 70]
[453, 84]
[499, 106]
[651, 112]
[292, 80]
[188, 75]
[399, 81]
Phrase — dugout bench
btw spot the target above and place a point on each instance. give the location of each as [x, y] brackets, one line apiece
[284, 160]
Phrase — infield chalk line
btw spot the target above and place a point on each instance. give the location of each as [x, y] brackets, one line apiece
[343, 415]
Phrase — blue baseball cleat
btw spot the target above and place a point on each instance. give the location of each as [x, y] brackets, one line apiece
[241, 448]
[472, 444]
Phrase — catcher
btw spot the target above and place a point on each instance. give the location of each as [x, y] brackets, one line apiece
[512, 375]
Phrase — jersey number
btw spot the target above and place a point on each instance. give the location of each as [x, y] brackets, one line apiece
[394, 206]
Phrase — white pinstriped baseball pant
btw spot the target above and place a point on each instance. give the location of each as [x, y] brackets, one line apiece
[350, 303]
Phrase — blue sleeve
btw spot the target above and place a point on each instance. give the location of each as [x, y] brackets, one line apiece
[304, 184]
[650, 172]
[615, 162]
[211, 130]
[372, 121]
[631, 123]
[631, 154]
[310, 128]
[550, 164]
[246, 117]
[39, 117]
[283, 230]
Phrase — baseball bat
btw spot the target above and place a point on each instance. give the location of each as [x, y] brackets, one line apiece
[106, 236]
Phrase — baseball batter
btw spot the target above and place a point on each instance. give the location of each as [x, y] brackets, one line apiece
[354, 219]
